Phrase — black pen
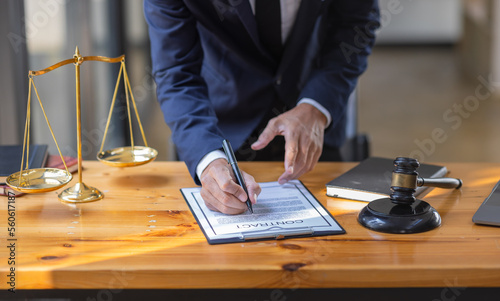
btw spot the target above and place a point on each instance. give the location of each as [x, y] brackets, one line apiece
[232, 160]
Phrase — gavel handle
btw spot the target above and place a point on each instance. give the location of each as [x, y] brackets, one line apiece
[440, 182]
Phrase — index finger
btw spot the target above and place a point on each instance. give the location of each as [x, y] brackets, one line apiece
[267, 135]
[291, 152]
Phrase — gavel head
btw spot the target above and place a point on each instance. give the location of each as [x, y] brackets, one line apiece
[404, 180]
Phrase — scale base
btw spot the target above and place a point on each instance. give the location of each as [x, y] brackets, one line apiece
[80, 193]
[383, 215]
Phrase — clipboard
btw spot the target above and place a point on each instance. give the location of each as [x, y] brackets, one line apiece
[282, 211]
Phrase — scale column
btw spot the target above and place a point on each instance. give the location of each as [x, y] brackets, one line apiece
[80, 193]
[78, 60]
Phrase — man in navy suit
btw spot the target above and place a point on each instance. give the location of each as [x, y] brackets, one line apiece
[271, 76]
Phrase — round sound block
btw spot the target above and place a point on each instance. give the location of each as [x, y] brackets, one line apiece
[383, 215]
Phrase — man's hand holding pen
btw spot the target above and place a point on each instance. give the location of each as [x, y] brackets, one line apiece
[221, 190]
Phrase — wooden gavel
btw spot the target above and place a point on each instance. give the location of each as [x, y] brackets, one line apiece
[401, 213]
[405, 180]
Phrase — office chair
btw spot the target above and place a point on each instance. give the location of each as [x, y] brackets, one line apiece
[357, 145]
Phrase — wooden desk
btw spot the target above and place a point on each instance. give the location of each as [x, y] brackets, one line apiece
[142, 235]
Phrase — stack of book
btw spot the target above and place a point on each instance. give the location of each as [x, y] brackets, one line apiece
[371, 180]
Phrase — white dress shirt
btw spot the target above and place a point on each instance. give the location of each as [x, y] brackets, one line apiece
[289, 9]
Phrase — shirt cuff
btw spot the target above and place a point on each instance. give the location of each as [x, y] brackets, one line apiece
[207, 159]
[322, 109]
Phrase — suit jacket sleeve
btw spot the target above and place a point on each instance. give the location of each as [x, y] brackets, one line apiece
[182, 93]
[347, 43]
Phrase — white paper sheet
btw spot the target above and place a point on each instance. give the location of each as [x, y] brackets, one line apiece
[281, 211]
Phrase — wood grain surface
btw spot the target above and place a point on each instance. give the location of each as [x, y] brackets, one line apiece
[142, 235]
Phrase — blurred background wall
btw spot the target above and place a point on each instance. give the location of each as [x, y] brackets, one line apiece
[430, 92]
[431, 89]
[52, 29]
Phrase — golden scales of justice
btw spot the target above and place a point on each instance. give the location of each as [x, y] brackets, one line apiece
[48, 179]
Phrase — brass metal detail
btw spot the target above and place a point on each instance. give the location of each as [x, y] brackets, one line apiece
[404, 180]
[49, 179]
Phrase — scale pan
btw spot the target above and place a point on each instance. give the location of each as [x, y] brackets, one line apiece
[127, 156]
[39, 180]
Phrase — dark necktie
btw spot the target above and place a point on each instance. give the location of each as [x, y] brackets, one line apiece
[268, 17]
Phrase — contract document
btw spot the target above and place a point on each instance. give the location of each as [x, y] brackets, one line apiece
[282, 211]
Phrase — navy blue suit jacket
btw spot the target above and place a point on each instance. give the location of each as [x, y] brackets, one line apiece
[215, 79]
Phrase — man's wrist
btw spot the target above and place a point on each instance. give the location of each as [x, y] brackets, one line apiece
[207, 159]
[320, 108]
